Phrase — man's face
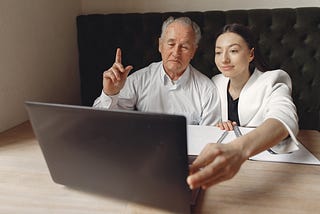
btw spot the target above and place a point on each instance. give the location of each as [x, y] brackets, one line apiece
[177, 48]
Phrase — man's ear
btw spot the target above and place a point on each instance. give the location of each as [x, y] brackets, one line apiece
[160, 45]
[194, 52]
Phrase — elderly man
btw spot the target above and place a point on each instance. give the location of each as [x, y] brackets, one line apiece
[171, 86]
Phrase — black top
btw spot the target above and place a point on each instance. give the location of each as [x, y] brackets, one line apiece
[233, 109]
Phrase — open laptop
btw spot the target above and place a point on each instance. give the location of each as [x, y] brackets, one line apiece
[134, 156]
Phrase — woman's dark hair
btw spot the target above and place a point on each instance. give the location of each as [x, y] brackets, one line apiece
[247, 35]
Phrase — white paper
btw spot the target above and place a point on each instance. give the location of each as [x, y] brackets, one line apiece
[199, 136]
[300, 156]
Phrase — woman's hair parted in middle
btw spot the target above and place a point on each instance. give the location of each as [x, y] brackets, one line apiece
[247, 35]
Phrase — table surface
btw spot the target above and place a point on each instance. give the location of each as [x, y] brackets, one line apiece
[259, 187]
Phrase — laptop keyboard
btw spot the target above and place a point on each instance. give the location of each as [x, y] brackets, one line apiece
[191, 158]
[194, 196]
[195, 192]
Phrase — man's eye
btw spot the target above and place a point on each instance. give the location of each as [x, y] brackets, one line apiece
[234, 51]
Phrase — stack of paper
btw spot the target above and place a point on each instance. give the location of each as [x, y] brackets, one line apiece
[199, 136]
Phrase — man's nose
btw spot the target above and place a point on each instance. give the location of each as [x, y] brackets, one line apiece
[176, 50]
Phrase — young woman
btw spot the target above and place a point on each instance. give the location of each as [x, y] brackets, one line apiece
[250, 95]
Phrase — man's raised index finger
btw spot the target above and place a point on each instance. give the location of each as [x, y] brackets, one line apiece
[118, 56]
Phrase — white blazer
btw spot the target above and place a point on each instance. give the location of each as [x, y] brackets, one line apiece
[265, 95]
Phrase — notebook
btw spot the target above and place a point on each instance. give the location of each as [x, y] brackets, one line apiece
[133, 156]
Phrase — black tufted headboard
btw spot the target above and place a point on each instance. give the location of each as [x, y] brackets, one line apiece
[289, 39]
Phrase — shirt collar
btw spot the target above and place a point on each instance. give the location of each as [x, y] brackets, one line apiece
[180, 82]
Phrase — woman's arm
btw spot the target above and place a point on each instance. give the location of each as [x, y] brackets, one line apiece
[267, 135]
[220, 162]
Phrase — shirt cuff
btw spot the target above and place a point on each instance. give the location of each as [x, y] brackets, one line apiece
[106, 101]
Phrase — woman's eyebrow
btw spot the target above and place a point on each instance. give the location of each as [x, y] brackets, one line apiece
[234, 44]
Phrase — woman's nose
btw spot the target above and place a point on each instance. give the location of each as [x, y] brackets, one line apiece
[225, 58]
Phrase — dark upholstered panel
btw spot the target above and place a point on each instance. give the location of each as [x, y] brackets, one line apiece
[289, 39]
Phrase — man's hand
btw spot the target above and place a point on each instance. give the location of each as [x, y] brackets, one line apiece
[115, 77]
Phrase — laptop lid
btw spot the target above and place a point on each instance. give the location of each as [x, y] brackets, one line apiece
[134, 156]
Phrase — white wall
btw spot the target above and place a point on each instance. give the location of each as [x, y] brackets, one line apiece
[38, 55]
[124, 6]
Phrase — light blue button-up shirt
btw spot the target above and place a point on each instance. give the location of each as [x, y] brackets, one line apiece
[151, 90]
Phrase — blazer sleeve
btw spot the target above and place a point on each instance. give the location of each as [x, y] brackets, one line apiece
[280, 106]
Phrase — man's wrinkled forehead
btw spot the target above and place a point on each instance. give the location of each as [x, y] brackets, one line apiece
[179, 30]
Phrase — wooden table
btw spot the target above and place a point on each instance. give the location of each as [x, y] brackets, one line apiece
[259, 187]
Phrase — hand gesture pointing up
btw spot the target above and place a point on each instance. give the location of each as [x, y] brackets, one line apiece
[115, 77]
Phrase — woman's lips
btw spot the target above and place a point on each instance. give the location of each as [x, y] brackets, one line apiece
[226, 68]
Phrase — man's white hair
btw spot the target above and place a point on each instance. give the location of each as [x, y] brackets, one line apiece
[185, 20]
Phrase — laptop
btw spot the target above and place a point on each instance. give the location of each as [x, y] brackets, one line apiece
[133, 156]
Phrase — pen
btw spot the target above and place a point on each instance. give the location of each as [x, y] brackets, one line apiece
[238, 134]
[224, 134]
[237, 131]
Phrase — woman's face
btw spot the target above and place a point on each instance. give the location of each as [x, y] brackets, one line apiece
[232, 55]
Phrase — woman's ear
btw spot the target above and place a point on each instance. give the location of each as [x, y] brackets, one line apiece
[251, 55]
